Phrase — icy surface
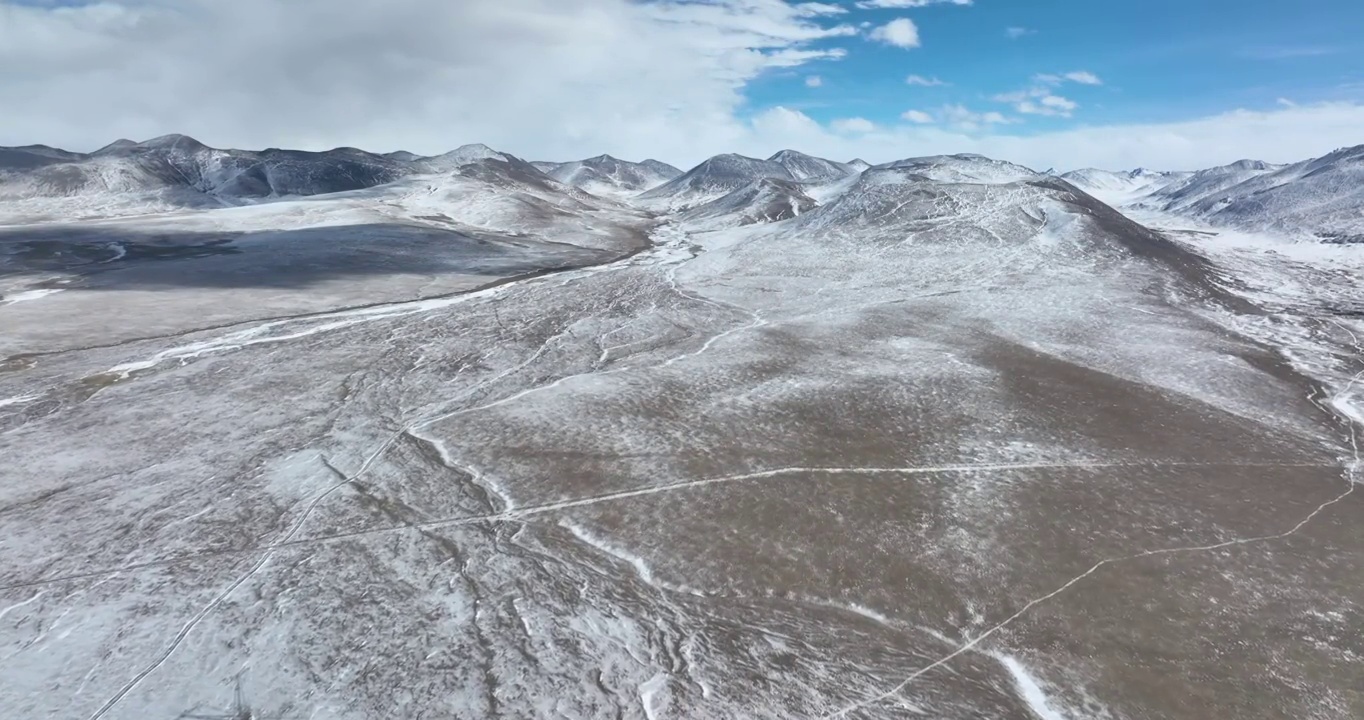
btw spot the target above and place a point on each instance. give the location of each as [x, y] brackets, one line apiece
[946, 438]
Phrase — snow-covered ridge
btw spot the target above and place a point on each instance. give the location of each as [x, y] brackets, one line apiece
[611, 177]
[1321, 199]
[176, 171]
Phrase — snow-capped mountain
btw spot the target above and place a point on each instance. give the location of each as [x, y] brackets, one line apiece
[764, 200]
[1322, 197]
[961, 168]
[807, 168]
[1196, 186]
[857, 164]
[611, 177]
[1119, 187]
[179, 171]
[712, 179]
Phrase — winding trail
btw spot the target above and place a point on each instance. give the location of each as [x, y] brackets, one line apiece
[1350, 476]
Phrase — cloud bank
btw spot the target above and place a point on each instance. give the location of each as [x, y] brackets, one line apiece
[544, 79]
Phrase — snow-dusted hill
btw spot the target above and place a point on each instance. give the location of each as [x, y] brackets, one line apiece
[610, 177]
[764, 200]
[176, 171]
[1124, 186]
[809, 169]
[1194, 187]
[1321, 198]
[712, 179]
[942, 437]
[962, 168]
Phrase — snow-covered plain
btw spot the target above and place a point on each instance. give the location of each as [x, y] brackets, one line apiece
[958, 442]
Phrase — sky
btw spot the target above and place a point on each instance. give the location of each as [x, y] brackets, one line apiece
[1165, 84]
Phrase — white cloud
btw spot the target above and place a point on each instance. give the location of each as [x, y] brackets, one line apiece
[1015, 33]
[814, 81]
[917, 116]
[855, 125]
[793, 58]
[1279, 135]
[922, 81]
[816, 8]
[540, 78]
[968, 120]
[1041, 98]
[1049, 105]
[1083, 77]
[900, 32]
[544, 79]
[881, 4]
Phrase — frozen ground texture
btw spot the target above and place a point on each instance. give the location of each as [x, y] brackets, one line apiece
[961, 441]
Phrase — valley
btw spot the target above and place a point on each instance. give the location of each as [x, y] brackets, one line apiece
[471, 436]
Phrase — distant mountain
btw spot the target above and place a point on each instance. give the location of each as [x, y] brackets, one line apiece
[33, 156]
[807, 168]
[858, 164]
[1121, 186]
[712, 179]
[963, 168]
[459, 157]
[1195, 187]
[1323, 197]
[610, 177]
[764, 200]
[179, 171]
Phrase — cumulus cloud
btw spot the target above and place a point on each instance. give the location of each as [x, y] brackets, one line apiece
[1041, 97]
[900, 32]
[917, 116]
[814, 81]
[855, 125]
[963, 118]
[900, 4]
[922, 81]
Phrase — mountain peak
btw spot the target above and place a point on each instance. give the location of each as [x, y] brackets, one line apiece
[116, 146]
[173, 140]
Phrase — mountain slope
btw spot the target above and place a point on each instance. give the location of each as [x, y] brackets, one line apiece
[1121, 187]
[962, 168]
[765, 200]
[1197, 186]
[178, 171]
[712, 179]
[607, 176]
[1321, 198]
[807, 168]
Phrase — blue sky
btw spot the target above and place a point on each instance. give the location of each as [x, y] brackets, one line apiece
[1175, 84]
[1159, 60]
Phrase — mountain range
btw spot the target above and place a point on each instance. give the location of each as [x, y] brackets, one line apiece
[357, 435]
[1321, 198]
